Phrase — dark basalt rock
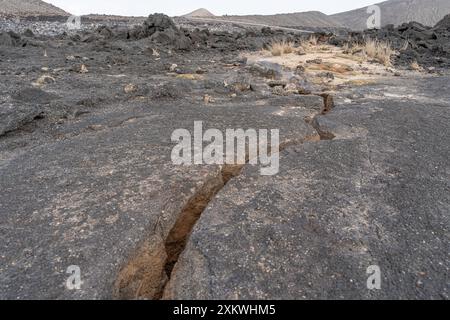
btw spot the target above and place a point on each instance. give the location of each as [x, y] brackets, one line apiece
[426, 45]
[28, 33]
[158, 22]
[161, 29]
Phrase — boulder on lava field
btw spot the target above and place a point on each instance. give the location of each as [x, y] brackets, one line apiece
[161, 29]
[28, 33]
[158, 22]
[266, 69]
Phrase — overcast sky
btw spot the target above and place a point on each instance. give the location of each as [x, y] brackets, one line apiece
[217, 7]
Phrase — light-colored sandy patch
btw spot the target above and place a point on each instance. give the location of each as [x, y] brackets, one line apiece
[327, 65]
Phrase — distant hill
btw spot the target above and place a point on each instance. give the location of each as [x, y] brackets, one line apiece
[299, 19]
[200, 13]
[427, 12]
[311, 19]
[29, 8]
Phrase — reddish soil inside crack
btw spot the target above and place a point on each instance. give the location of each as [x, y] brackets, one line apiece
[148, 272]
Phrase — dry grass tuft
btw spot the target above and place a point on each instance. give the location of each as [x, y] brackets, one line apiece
[379, 50]
[352, 48]
[281, 47]
[374, 49]
[313, 40]
[415, 66]
[311, 44]
[346, 48]
[405, 46]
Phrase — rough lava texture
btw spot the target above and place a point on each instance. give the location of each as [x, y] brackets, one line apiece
[377, 194]
[88, 119]
[429, 46]
[86, 176]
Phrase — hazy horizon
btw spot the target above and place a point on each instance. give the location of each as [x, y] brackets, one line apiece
[231, 7]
